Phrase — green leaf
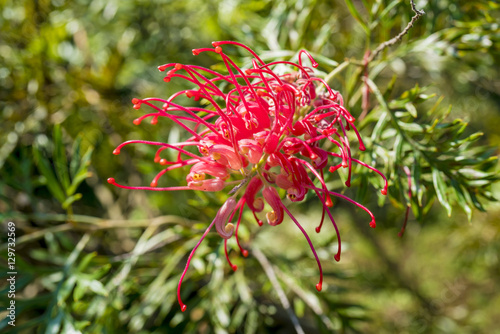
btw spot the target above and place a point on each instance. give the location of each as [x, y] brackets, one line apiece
[75, 156]
[462, 201]
[474, 174]
[476, 202]
[85, 261]
[82, 172]
[379, 127]
[65, 290]
[97, 287]
[60, 161]
[79, 290]
[252, 322]
[100, 272]
[55, 323]
[45, 169]
[411, 127]
[70, 200]
[355, 13]
[440, 188]
[411, 108]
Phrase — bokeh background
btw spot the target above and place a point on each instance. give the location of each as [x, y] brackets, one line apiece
[96, 259]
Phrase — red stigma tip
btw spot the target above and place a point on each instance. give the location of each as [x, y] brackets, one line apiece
[317, 118]
[362, 148]
[319, 286]
[116, 151]
[315, 64]
[195, 52]
[111, 180]
[137, 121]
[183, 307]
[166, 79]
[154, 184]
[248, 71]
[154, 121]
[178, 66]
[189, 94]
[136, 101]
[162, 68]
[137, 106]
[373, 224]
[234, 267]
[383, 191]
[244, 252]
[329, 202]
[348, 183]
[337, 257]
[400, 234]
[215, 44]
[163, 162]
[260, 223]
[157, 159]
[218, 49]
[318, 229]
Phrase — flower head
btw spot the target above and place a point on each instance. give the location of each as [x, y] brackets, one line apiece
[262, 134]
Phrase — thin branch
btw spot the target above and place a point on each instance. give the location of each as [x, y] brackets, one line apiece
[392, 41]
[277, 287]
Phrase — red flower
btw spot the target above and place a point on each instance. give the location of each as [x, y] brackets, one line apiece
[261, 133]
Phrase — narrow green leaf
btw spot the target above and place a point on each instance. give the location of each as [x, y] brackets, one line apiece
[390, 87]
[355, 13]
[77, 180]
[474, 174]
[440, 188]
[251, 322]
[55, 323]
[398, 147]
[69, 326]
[475, 201]
[97, 287]
[65, 290]
[411, 108]
[82, 172]
[436, 105]
[379, 127]
[60, 160]
[75, 156]
[237, 316]
[79, 291]
[45, 169]
[462, 201]
[100, 272]
[411, 127]
[85, 261]
[86, 159]
[336, 71]
[70, 200]
[362, 188]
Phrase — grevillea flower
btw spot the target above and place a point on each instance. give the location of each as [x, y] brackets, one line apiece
[262, 137]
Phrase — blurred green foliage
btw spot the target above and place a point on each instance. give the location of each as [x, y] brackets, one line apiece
[94, 259]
